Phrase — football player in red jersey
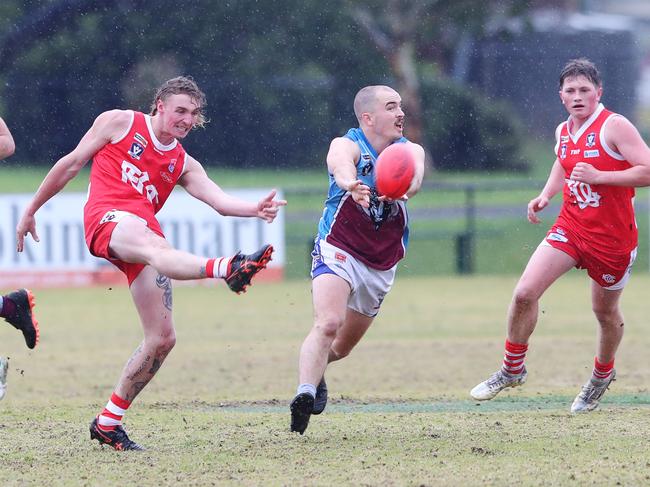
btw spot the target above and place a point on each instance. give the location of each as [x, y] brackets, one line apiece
[137, 161]
[16, 307]
[600, 159]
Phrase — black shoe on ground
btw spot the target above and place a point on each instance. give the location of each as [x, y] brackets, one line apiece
[301, 408]
[116, 438]
[23, 319]
[321, 397]
[243, 267]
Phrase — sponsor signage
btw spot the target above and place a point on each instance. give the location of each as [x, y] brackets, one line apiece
[61, 258]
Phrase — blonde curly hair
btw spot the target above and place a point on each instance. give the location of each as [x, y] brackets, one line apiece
[181, 85]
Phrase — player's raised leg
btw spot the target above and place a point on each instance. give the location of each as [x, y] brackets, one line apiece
[133, 241]
[545, 266]
[152, 295]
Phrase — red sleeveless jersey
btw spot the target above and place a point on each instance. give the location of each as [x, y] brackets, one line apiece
[602, 215]
[136, 174]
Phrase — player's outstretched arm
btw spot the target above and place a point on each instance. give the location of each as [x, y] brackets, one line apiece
[197, 183]
[341, 163]
[106, 128]
[7, 145]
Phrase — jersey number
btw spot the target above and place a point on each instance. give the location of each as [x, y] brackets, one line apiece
[138, 179]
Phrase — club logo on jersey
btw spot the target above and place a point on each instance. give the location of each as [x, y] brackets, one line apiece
[583, 194]
[592, 153]
[564, 139]
[563, 151]
[608, 278]
[367, 169]
[136, 150]
[138, 179]
[140, 139]
[591, 139]
[172, 166]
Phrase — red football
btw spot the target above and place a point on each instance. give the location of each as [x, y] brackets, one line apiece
[394, 170]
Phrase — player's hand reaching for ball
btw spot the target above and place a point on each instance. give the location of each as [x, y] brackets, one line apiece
[360, 193]
[27, 224]
[534, 206]
[267, 208]
[390, 200]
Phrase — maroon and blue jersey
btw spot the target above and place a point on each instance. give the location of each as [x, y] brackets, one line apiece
[376, 236]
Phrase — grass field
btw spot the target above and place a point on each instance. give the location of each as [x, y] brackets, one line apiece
[399, 414]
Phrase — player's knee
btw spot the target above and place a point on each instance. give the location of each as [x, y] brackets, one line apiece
[327, 327]
[607, 316]
[162, 343]
[524, 297]
[337, 353]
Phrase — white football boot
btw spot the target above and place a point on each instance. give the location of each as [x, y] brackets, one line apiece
[497, 382]
[591, 393]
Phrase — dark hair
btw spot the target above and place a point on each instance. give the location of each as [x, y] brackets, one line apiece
[580, 67]
[181, 85]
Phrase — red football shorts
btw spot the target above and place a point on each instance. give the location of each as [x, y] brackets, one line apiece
[609, 270]
[98, 238]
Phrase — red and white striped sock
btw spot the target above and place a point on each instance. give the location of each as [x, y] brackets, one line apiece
[217, 267]
[513, 360]
[601, 370]
[111, 416]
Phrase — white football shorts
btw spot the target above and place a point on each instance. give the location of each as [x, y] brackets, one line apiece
[368, 286]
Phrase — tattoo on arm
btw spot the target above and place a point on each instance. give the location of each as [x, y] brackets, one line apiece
[165, 283]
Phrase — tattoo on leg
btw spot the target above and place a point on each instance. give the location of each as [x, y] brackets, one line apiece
[143, 365]
[202, 272]
[135, 354]
[135, 390]
[165, 283]
[155, 366]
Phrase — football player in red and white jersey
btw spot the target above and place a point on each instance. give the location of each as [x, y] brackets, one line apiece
[17, 308]
[137, 160]
[600, 159]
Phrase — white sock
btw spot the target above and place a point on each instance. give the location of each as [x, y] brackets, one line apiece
[308, 388]
[217, 267]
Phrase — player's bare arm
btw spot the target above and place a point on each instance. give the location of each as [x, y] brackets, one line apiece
[553, 185]
[7, 145]
[341, 163]
[624, 138]
[197, 183]
[107, 127]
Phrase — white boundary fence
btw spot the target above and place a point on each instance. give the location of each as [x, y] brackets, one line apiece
[61, 259]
